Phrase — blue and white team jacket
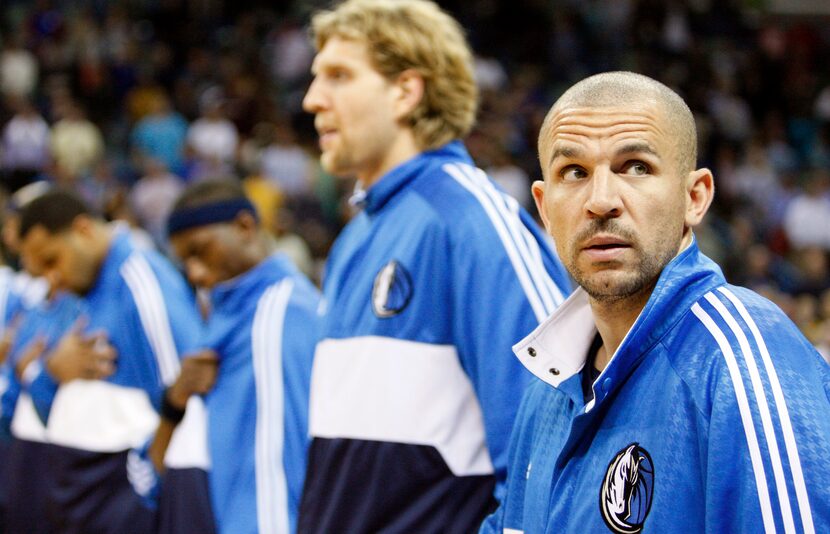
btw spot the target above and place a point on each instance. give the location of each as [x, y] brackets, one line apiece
[414, 389]
[263, 325]
[712, 416]
[148, 312]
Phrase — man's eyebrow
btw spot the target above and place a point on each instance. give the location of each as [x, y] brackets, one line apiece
[637, 148]
[564, 152]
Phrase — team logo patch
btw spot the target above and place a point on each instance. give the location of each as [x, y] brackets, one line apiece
[625, 497]
[392, 290]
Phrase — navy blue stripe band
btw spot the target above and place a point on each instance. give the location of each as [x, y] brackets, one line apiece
[215, 212]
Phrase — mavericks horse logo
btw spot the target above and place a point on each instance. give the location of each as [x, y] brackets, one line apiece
[625, 497]
[392, 290]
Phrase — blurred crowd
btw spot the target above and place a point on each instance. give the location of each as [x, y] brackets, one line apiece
[126, 102]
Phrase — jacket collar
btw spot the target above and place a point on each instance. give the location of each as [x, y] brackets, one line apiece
[120, 248]
[556, 349]
[230, 293]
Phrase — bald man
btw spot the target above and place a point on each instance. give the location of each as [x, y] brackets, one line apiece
[667, 400]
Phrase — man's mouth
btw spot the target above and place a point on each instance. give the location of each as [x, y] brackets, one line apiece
[605, 248]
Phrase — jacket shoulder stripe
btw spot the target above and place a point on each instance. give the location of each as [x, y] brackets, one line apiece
[152, 312]
[746, 415]
[266, 337]
[541, 306]
[508, 208]
[783, 414]
[763, 409]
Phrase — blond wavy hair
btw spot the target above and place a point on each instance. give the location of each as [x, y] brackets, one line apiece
[417, 35]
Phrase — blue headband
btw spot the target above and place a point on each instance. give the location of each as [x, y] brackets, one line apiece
[215, 212]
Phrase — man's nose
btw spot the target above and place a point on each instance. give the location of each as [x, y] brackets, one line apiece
[314, 101]
[604, 199]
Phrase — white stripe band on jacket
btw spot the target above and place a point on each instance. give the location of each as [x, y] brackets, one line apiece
[746, 416]
[534, 288]
[95, 415]
[266, 338]
[433, 403]
[26, 424]
[152, 311]
[783, 415]
[763, 409]
[508, 209]
[188, 446]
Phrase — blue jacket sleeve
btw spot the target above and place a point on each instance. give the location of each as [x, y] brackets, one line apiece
[41, 387]
[9, 391]
[773, 462]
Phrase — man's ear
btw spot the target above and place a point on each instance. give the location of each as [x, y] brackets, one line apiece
[246, 224]
[538, 190]
[700, 190]
[83, 224]
[411, 91]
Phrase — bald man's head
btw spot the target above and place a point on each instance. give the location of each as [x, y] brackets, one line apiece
[621, 88]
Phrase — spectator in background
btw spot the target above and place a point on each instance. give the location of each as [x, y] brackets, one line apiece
[287, 241]
[161, 135]
[24, 149]
[814, 270]
[152, 197]
[18, 68]
[77, 144]
[754, 181]
[806, 218]
[212, 139]
[508, 175]
[286, 164]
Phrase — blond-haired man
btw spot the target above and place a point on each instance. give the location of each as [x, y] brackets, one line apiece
[667, 399]
[413, 387]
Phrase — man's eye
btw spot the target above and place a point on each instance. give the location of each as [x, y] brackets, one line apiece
[637, 168]
[573, 174]
[338, 75]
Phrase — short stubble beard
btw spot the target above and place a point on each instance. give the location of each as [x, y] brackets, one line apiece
[645, 273]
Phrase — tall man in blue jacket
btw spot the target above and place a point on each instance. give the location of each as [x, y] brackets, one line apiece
[414, 389]
[666, 400]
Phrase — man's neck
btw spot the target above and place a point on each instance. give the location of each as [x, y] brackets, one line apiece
[614, 320]
[402, 149]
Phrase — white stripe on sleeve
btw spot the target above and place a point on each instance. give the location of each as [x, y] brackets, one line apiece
[746, 416]
[266, 337]
[153, 314]
[763, 409]
[783, 415]
[531, 291]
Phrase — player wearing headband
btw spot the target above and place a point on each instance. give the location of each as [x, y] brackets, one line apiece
[262, 325]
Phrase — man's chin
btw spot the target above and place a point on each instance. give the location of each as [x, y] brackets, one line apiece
[610, 286]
